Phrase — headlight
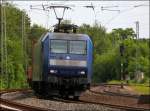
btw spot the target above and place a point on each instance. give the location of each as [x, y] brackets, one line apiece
[82, 72]
[53, 71]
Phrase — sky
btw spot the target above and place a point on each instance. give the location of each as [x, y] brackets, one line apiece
[117, 14]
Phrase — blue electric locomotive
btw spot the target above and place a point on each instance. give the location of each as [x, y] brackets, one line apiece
[62, 64]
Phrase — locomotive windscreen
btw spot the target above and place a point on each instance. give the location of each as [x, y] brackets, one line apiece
[77, 47]
[58, 46]
[68, 46]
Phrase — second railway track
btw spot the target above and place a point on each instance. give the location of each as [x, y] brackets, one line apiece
[91, 100]
[124, 102]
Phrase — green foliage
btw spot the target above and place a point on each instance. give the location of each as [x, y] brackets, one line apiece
[16, 53]
[15, 76]
[98, 36]
[107, 57]
[124, 33]
[36, 32]
[139, 88]
[104, 67]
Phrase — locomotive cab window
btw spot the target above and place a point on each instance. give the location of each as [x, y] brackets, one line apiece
[58, 46]
[77, 47]
[68, 46]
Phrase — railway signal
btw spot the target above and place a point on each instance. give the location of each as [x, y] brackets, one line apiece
[122, 49]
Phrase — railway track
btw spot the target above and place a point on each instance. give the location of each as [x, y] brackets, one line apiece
[8, 105]
[120, 104]
[116, 106]
[119, 100]
[13, 106]
[107, 94]
[116, 101]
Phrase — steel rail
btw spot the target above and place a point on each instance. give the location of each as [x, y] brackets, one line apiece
[14, 106]
[20, 106]
[115, 84]
[128, 108]
[12, 90]
[115, 94]
[80, 101]
[101, 103]
[124, 107]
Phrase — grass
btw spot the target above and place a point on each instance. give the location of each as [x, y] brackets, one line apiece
[139, 88]
[115, 82]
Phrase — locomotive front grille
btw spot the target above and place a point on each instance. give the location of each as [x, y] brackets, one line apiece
[58, 62]
[64, 72]
[70, 81]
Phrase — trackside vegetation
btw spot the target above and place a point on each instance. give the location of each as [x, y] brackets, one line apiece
[141, 88]
[107, 58]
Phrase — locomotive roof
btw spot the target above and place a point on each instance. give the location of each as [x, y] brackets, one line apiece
[67, 35]
[70, 36]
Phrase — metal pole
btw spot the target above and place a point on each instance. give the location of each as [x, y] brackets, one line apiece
[22, 33]
[137, 29]
[2, 35]
[24, 42]
[137, 37]
[122, 58]
[121, 73]
[5, 45]
[122, 49]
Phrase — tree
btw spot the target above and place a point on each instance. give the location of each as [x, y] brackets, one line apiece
[102, 52]
[107, 57]
[15, 76]
[124, 33]
[36, 32]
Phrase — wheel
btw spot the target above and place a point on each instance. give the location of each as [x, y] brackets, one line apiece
[39, 90]
[66, 97]
[76, 98]
[88, 86]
